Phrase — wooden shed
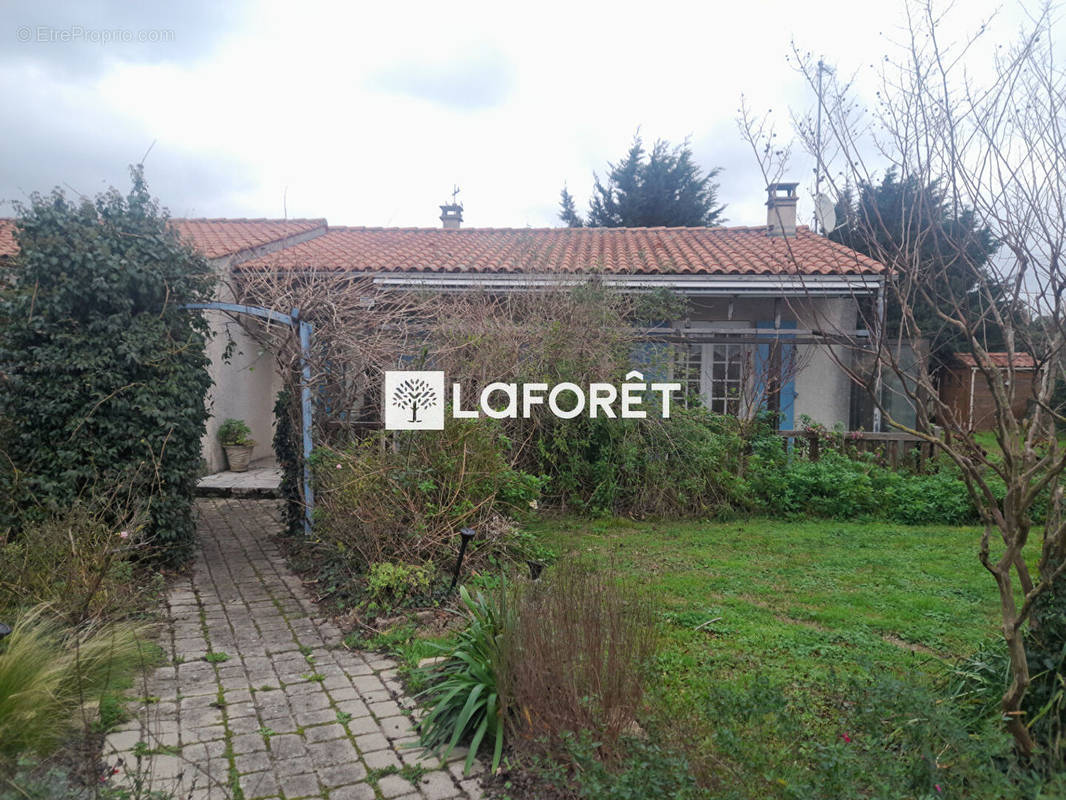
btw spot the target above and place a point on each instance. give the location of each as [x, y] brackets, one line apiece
[966, 389]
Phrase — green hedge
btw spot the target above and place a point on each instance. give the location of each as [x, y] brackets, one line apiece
[104, 374]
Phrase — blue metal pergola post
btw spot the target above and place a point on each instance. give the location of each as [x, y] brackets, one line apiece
[304, 330]
[305, 407]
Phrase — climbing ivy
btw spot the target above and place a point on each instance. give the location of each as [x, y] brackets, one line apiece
[289, 456]
[102, 372]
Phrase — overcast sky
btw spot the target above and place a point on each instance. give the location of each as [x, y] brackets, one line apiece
[367, 113]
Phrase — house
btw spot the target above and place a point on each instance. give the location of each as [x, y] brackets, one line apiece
[965, 389]
[767, 302]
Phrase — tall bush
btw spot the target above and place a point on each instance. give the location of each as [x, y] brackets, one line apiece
[103, 372]
[403, 496]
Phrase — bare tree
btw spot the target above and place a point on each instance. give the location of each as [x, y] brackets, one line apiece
[986, 124]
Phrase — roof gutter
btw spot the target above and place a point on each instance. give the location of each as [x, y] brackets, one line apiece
[709, 285]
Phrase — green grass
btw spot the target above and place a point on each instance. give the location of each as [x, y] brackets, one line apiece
[768, 627]
[802, 594]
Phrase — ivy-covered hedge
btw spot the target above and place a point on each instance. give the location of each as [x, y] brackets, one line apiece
[289, 456]
[103, 372]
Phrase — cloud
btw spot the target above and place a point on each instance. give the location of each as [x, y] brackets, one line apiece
[58, 136]
[479, 78]
[81, 41]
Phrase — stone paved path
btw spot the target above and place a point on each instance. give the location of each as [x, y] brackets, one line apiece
[261, 698]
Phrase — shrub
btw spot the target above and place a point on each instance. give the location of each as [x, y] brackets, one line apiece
[80, 562]
[403, 498]
[47, 673]
[687, 465]
[235, 433]
[565, 654]
[104, 373]
[575, 658]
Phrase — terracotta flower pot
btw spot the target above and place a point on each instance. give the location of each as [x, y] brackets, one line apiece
[238, 456]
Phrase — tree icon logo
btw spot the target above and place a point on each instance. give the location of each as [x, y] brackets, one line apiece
[414, 394]
[414, 400]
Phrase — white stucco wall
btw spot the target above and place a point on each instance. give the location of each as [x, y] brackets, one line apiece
[243, 387]
[823, 389]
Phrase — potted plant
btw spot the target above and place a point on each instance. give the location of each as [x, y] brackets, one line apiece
[236, 439]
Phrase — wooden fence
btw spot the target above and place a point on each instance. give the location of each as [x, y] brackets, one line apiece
[890, 449]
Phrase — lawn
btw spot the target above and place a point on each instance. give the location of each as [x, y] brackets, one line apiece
[777, 633]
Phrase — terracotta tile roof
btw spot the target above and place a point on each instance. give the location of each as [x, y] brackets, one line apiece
[212, 237]
[222, 237]
[649, 251]
[1002, 360]
[740, 251]
[7, 238]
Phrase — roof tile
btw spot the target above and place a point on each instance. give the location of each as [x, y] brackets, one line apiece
[739, 251]
[214, 238]
[647, 251]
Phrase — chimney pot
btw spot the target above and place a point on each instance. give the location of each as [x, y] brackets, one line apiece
[781, 209]
[451, 216]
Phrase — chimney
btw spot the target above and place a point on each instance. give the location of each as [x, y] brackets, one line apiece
[451, 216]
[781, 209]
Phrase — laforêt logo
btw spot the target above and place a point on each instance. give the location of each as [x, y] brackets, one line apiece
[414, 401]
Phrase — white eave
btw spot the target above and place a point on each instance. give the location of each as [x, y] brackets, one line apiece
[724, 285]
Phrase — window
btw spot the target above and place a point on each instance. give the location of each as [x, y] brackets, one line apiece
[714, 373]
[725, 386]
[687, 372]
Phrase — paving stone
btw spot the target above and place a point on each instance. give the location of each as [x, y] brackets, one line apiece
[370, 742]
[438, 785]
[203, 734]
[315, 717]
[363, 725]
[388, 708]
[249, 743]
[397, 727]
[358, 791]
[288, 746]
[323, 733]
[329, 754]
[393, 786]
[259, 785]
[122, 741]
[382, 759]
[253, 762]
[303, 785]
[243, 725]
[342, 774]
[309, 702]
